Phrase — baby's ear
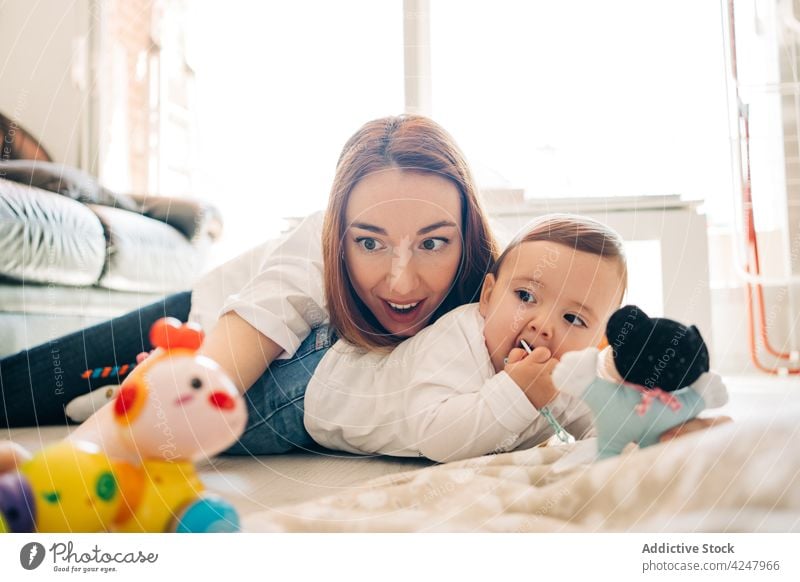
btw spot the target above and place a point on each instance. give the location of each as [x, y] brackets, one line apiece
[486, 294]
[576, 371]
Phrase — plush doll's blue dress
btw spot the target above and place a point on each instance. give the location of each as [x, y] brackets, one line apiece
[625, 413]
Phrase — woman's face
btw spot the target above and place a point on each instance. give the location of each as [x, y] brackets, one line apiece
[402, 245]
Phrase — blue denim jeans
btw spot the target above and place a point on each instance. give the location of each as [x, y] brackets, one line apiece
[275, 401]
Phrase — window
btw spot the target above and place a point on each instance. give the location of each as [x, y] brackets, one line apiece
[280, 88]
[145, 87]
[586, 98]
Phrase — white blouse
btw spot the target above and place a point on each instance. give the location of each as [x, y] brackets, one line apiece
[276, 287]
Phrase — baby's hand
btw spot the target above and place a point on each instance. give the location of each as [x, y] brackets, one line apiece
[533, 373]
[693, 425]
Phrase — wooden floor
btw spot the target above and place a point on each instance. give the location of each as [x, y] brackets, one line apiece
[256, 483]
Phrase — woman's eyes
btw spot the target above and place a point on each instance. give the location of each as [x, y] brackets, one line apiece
[369, 244]
[575, 320]
[372, 245]
[434, 244]
[526, 296]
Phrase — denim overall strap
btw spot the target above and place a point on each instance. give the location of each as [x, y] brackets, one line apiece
[275, 401]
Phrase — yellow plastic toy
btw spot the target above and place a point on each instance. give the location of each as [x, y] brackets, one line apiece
[175, 408]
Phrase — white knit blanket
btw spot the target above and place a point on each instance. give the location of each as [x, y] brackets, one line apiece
[739, 477]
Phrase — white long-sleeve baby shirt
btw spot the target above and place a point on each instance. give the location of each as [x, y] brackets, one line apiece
[436, 395]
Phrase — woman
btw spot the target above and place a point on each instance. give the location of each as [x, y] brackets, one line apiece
[275, 313]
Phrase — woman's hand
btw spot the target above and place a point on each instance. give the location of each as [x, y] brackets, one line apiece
[693, 425]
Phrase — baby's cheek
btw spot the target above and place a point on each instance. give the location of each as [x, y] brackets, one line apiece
[499, 341]
[569, 343]
[598, 338]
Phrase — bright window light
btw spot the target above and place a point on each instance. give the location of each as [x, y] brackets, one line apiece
[587, 98]
[280, 88]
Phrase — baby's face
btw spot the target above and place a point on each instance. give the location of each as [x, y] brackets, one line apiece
[549, 295]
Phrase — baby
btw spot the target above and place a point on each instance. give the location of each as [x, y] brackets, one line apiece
[464, 387]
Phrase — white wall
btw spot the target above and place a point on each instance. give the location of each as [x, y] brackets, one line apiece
[40, 46]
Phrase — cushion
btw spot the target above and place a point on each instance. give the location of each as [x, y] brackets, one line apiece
[146, 255]
[194, 218]
[65, 180]
[47, 238]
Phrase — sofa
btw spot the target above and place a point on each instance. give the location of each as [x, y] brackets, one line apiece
[73, 253]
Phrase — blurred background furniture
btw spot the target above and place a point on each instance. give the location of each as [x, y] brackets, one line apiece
[73, 253]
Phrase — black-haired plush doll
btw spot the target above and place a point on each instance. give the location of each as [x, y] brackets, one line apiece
[653, 376]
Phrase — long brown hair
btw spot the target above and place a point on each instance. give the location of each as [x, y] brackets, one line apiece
[576, 232]
[414, 143]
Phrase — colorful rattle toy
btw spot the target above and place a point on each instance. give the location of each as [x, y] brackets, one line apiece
[653, 376]
[106, 371]
[174, 408]
[82, 407]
